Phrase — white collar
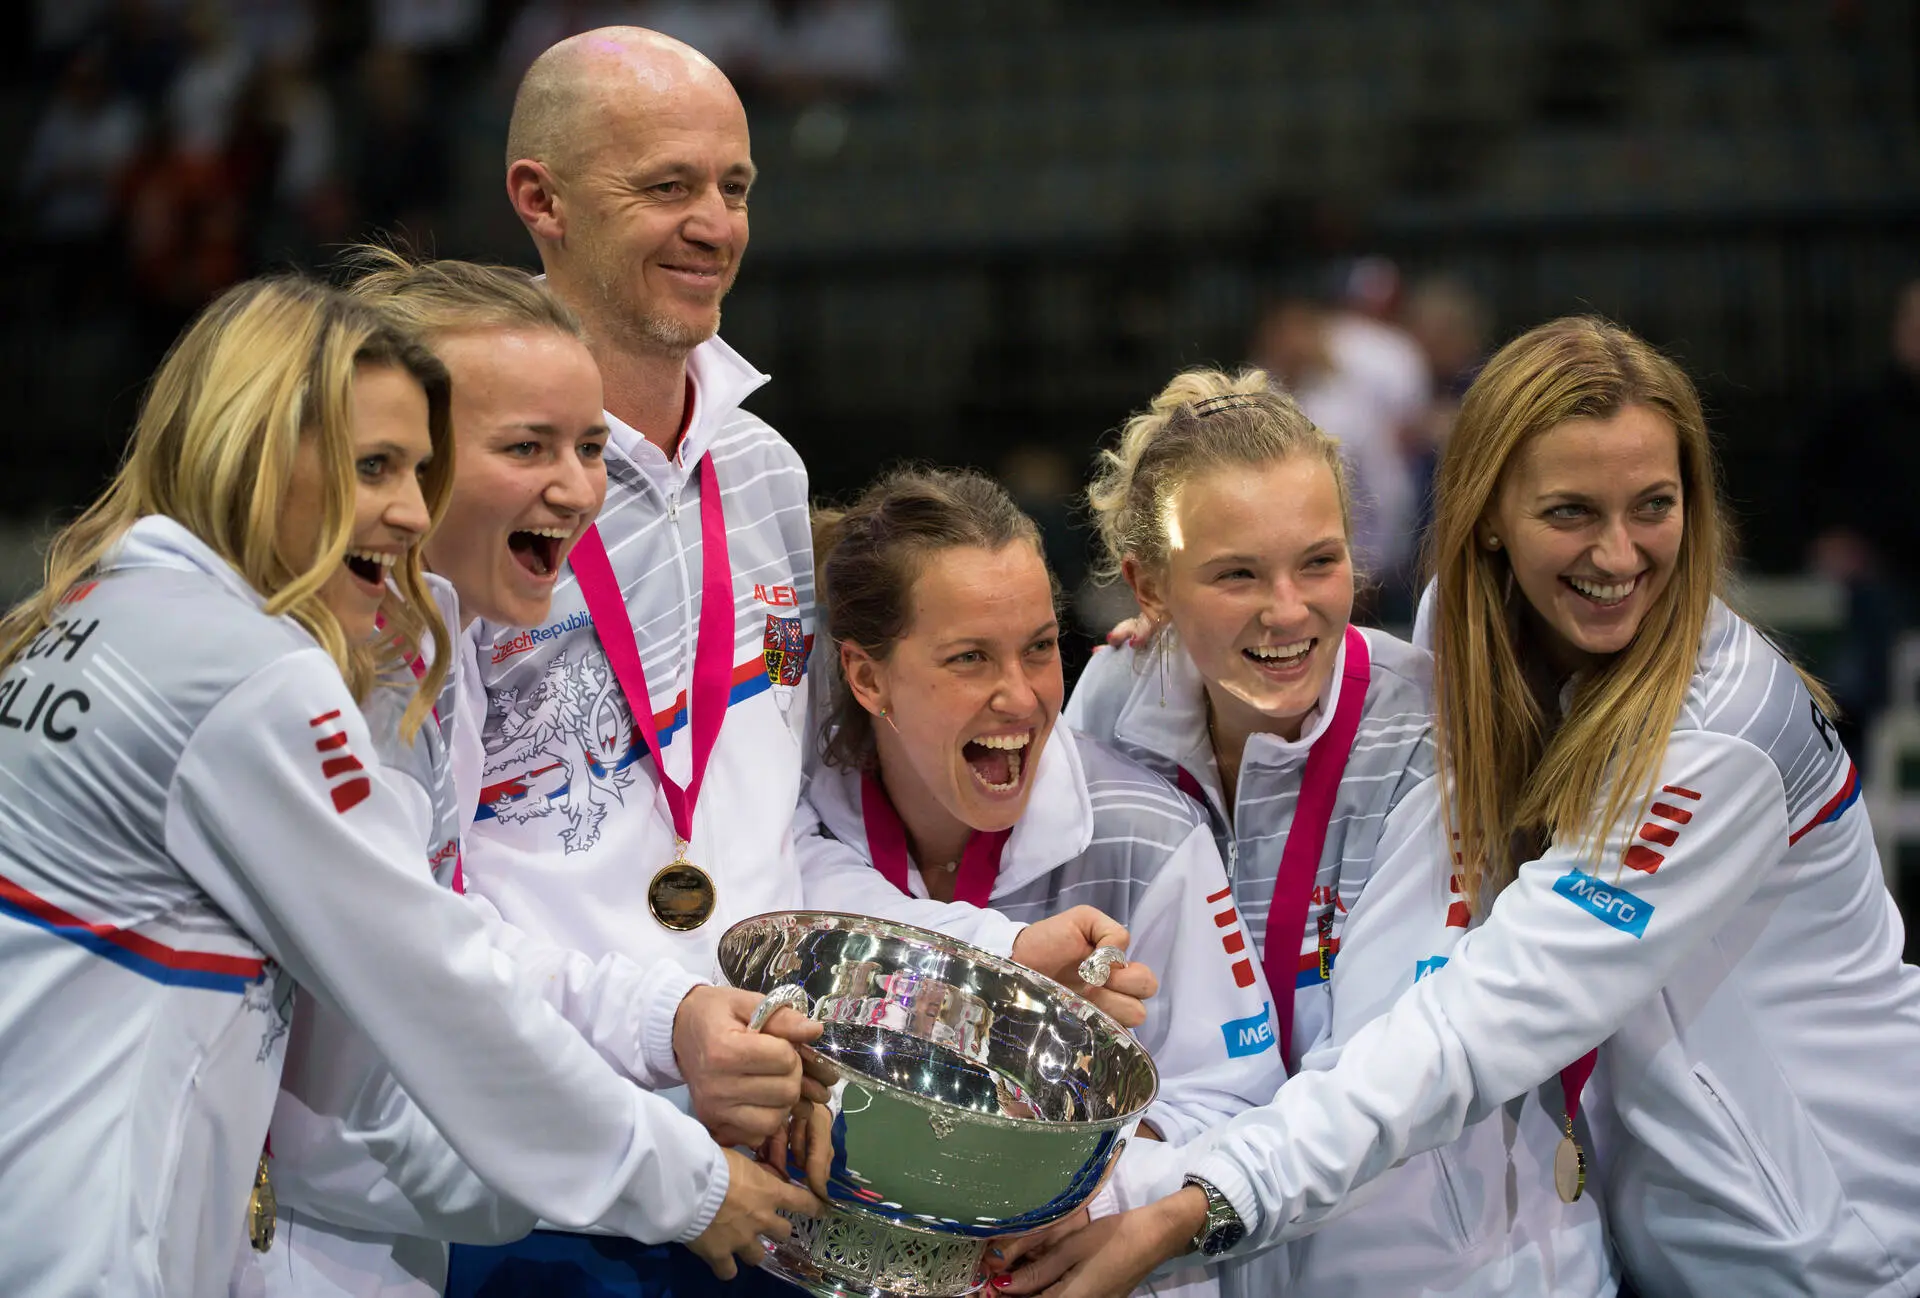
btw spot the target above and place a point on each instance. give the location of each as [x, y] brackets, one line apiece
[157, 541]
[720, 379]
[1056, 827]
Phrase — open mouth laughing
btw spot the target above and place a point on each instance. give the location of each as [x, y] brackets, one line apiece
[537, 549]
[998, 761]
[370, 567]
[1280, 660]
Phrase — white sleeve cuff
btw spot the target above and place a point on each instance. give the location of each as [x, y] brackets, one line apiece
[667, 984]
[710, 1202]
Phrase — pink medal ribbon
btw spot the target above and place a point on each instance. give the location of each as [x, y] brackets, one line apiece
[1307, 836]
[887, 844]
[681, 895]
[1569, 1161]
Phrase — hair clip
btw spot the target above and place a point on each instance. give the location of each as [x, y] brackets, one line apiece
[1225, 401]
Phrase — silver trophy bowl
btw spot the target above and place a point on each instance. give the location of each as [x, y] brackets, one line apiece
[977, 1099]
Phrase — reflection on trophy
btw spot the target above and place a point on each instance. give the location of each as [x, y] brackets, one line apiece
[978, 1099]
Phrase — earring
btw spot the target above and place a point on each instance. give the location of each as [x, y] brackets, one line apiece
[889, 720]
[1493, 542]
[1160, 660]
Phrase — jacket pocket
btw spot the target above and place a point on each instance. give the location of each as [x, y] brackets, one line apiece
[1765, 1170]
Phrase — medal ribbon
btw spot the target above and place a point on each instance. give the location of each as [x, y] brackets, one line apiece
[1307, 836]
[887, 844]
[1573, 1080]
[712, 652]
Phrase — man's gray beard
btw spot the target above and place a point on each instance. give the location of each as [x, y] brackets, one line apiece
[657, 332]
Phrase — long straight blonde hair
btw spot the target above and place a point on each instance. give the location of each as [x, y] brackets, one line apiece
[267, 363]
[1515, 778]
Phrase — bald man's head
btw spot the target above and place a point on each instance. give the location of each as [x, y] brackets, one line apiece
[586, 83]
[629, 162]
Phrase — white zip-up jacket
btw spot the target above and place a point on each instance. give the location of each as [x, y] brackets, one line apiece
[368, 1192]
[189, 830]
[1738, 963]
[1101, 831]
[1478, 1216]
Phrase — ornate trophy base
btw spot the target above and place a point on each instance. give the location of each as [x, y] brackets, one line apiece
[851, 1255]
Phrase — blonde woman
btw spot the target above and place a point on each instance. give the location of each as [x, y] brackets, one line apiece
[1306, 741]
[189, 826]
[1661, 843]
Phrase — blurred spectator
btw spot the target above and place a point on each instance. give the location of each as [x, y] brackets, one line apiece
[71, 178]
[1451, 324]
[1866, 532]
[285, 30]
[184, 234]
[733, 33]
[1365, 382]
[1042, 481]
[204, 97]
[426, 26]
[829, 49]
[283, 160]
[403, 175]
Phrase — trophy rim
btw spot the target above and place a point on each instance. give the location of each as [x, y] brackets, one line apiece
[951, 945]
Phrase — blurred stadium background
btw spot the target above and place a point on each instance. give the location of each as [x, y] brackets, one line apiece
[987, 229]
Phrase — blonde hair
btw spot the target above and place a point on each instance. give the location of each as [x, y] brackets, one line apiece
[267, 363]
[439, 297]
[868, 556]
[1514, 778]
[1204, 419]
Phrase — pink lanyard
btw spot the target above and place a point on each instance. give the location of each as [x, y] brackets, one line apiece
[1307, 836]
[1573, 1080]
[459, 880]
[712, 654]
[887, 844]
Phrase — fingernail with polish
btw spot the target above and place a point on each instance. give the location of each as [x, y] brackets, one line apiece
[1002, 1281]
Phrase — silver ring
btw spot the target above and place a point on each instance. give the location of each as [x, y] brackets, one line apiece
[1098, 967]
[790, 995]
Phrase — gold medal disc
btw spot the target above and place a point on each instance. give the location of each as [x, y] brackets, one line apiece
[260, 1210]
[681, 896]
[1569, 1170]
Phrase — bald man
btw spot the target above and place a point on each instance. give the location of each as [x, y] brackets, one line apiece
[629, 163]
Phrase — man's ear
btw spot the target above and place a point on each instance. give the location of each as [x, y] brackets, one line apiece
[535, 196]
[866, 678]
[1148, 587]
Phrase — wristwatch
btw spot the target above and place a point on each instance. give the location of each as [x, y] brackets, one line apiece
[1222, 1229]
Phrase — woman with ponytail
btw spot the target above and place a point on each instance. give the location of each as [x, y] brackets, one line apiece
[948, 773]
[1307, 741]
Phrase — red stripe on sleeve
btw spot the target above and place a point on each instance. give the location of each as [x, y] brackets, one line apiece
[1234, 942]
[1221, 896]
[1678, 815]
[1226, 917]
[1682, 792]
[325, 717]
[351, 794]
[331, 742]
[1659, 834]
[1644, 859]
[340, 765]
[1243, 973]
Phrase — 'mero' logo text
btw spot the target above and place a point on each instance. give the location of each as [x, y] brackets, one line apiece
[1251, 1035]
[1608, 903]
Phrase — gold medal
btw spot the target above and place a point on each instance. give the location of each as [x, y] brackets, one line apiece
[260, 1210]
[1569, 1169]
[681, 896]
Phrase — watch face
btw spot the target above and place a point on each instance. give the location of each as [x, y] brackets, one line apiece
[1224, 1238]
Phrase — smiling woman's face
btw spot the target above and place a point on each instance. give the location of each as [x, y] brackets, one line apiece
[1591, 514]
[528, 476]
[972, 689]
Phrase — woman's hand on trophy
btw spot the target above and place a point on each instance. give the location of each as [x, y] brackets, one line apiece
[755, 1197]
[1006, 1254]
[744, 1083]
[1110, 1258]
[808, 1140]
[1056, 945]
